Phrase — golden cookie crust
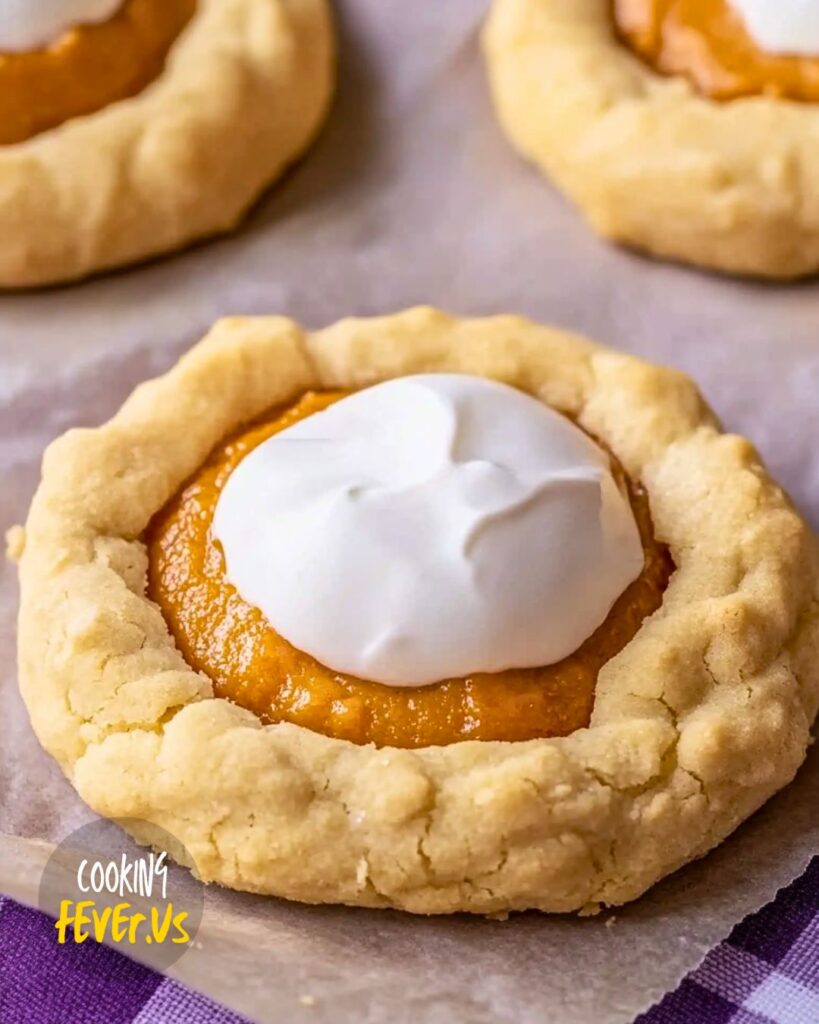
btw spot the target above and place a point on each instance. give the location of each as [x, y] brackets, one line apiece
[244, 90]
[697, 721]
[650, 162]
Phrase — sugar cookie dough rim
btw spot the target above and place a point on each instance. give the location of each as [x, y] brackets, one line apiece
[249, 80]
[649, 161]
[671, 763]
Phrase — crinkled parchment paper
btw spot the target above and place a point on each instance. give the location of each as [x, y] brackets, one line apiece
[412, 196]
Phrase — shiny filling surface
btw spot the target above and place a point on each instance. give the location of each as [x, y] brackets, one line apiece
[707, 42]
[88, 67]
[252, 665]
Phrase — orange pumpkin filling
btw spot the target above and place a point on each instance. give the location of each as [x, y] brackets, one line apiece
[708, 43]
[88, 67]
[252, 665]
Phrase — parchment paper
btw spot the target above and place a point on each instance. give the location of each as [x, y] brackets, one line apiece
[412, 195]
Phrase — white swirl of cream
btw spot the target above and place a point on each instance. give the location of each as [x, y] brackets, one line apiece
[430, 527]
[782, 26]
[33, 24]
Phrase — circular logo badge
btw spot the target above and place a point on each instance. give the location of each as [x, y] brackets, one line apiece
[101, 887]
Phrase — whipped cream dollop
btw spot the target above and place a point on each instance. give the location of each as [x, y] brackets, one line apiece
[430, 527]
[33, 24]
[782, 26]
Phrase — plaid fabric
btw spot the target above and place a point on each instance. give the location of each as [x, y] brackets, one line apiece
[766, 972]
[42, 983]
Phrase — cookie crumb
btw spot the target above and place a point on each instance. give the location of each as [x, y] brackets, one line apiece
[499, 915]
[15, 543]
[307, 1000]
[590, 910]
[610, 920]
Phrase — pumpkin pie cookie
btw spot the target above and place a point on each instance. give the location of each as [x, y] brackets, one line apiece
[685, 128]
[130, 128]
[419, 612]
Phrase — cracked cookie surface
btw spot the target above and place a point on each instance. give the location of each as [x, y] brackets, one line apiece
[697, 721]
[649, 161]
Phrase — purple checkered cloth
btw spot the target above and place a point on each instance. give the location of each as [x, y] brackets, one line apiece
[766, 972]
